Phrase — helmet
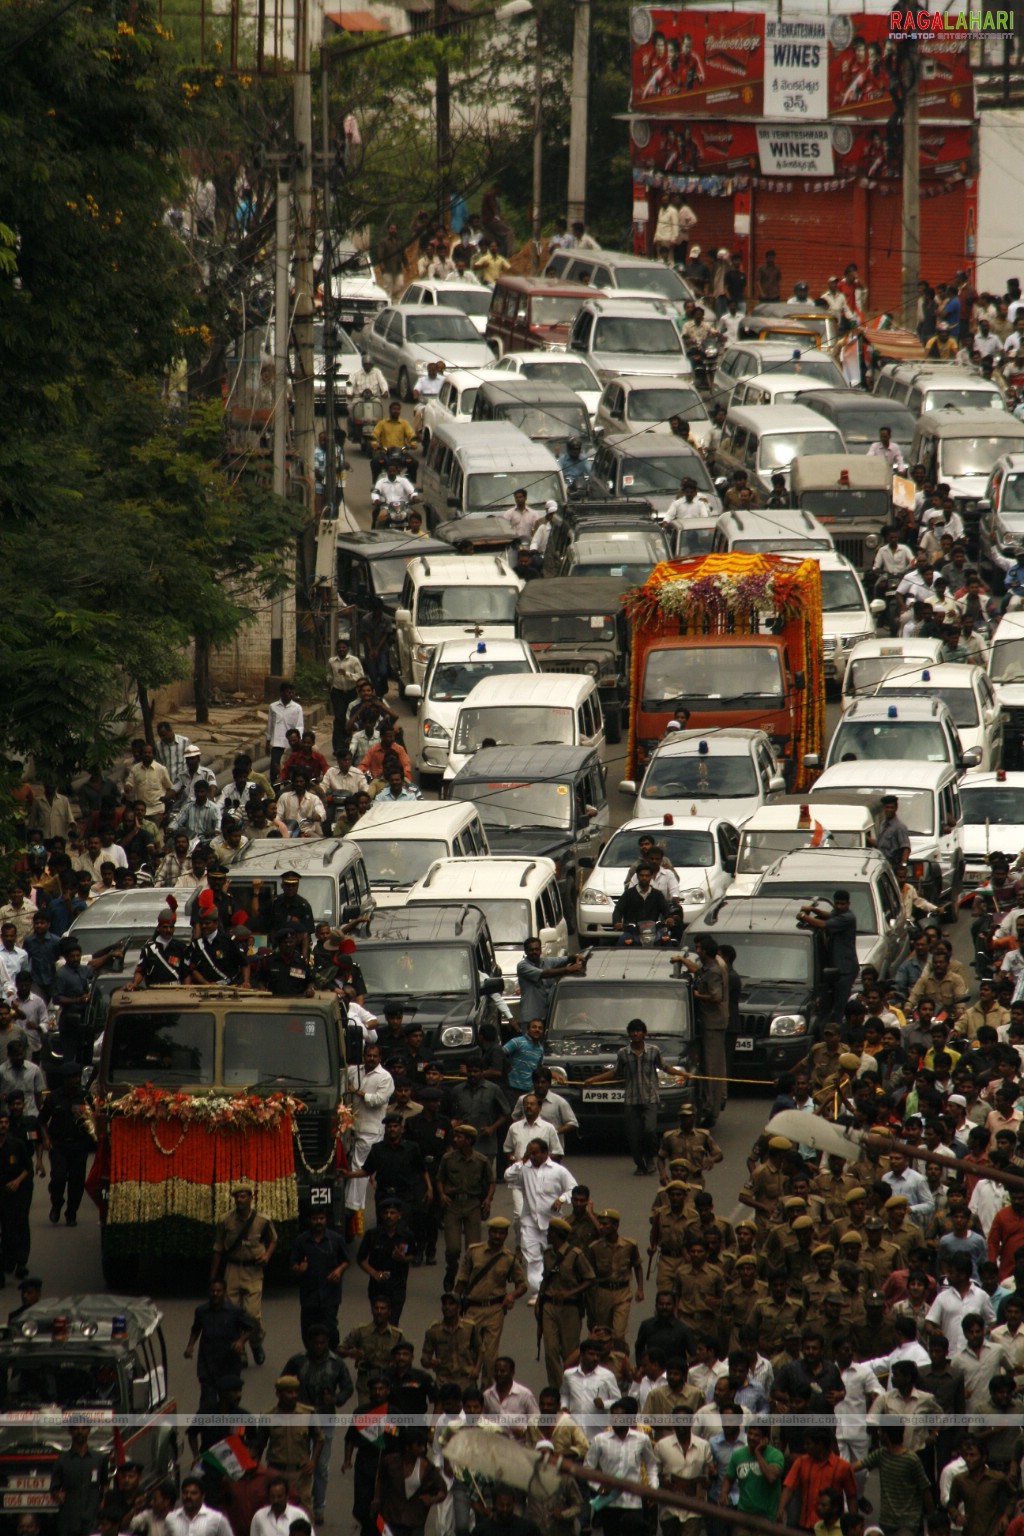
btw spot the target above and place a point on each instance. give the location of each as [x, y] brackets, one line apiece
[574, 442]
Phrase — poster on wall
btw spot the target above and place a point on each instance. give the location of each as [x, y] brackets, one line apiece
[796, 67]
[863, 69]
[695, 149]
[700, 62]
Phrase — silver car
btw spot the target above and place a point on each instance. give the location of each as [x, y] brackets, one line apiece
[403, 339]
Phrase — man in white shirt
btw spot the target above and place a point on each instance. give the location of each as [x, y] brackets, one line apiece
[861, 1386]
[886, 449]
[193, 1518]
[986, 344]
[588, 1388]
[371, 1087]
[284, 714]
[893, 558]
[275, 1518]
[509, 1398]
[957, 1300]
[300, 807]
[12, 960]
[624, 1452]
[368, 379]
[542, 532]
[904, 1180]
[546, 1186]
[688, 504]
[918, 584]
[554, 1110]
[391, 489]
[523, 518]
[663, 880]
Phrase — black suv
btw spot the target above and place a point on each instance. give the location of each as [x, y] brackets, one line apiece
[439, 963]
[540, 800]
[587, 1027]
[626, 545]
[783, 1003]
[579, 625]
[371, 567]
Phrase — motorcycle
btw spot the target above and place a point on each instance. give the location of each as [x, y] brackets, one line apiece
[393, 515]
[401, 456]
[703, 361]
[365, 410]
[646, 935]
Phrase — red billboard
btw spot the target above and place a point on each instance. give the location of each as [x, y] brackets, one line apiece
[695, 149]
[709, 63]
[863, 69]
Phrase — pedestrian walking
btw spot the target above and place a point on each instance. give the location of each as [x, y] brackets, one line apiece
[637, 1067]
[385, 1254]
[465, 1185]
[325, 1382]
[293, 1448]
[319, 1259]
[546, 1187]
[78, 1483]
[65, 1127]
[490, 1281]
[567, 1275]
[243, 1246]
[711, 994]
[222, 1331]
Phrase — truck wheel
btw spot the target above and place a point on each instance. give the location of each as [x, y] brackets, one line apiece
[404, 387]
[613, 724]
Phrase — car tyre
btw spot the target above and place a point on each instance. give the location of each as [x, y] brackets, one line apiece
[404, 386]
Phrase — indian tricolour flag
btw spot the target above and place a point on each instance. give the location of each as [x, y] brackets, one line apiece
[230, 1457]
[373, 1425]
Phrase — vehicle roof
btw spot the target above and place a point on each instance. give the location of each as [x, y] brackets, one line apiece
[849, 864]
[573, 594]
[612, 258]
[445, 285]
[537, 763]
[535, 355]
[945, 674]
[874, 708]
[607, 506]
[766, 419]
[483, 445]
[498, 650]
[999, 776]
[494, 876]
[462, 570]
[465, 378]
[821, 471]
[1010, 626]
[514, 386]
[955, 421]
[142, 1317]
[919, 370]
[787, 817]
[633, 965]
[113, 908]
[651, 446]
[541, 688]
[777, 519]
[435, 309]
[781, 380]
[528, 283]
[309, 858]
[610, 304]
[1009, 461]
[180, 999]
[760, 914]
[428, 818]
[912, 649]
[883, 776]
[630, 381]
[424, 923]
[737, 741]
[853, 402]
[379, 544]
[494, 529]
[768, 349]
[672, 823]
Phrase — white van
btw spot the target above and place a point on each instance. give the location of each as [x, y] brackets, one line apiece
[452, 597]
[872, 660]
[777, 829]
[554, 709]
[399, 843]
[453, 671]
[776, 530]
[518, 896]
[472, 468]
[765, 439]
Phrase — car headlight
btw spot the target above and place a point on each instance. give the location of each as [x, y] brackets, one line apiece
[698, 893]
[558, 1074]
[434, 731]
[788, 1024]
[871, 542]
[667, 1079]
[424, 653]
[594, 897]
[456, 1034]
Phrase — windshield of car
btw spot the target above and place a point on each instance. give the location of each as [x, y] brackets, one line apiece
[631, 553]
[493, 492]
[671, 776]
[512, 725]
[164, 1046]
[991, 803]
[972, 399]
[469, 605]
[759, 849]
[135, 934]
[434, 328]
[774, 957]
[867, 672]
[916, 808]
[860, 427]
[554, 311]
[584, 1008]
[647, 335]
[840, 593]
[779, 449]
[417, 970]
[963, 705]
[319, 890]
[817, 366]
[655, 279]
[397, 861]
[694, 539]
[519, 806]
[785, 542]
[1007, 663]
[567, 628]
[508, 921]
[838, 502]
[862, 903]
[388, 575]
[284, 1049]
[684, 849]
[69, 1381]
[661, 473]
[1012, 497]
[541, 422]
[572, 373]
[922, 741]
[452, 681]
[973, 455]
[472, 301]
[659, 404]
[737, 674]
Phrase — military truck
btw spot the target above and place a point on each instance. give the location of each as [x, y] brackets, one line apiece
[578, 624]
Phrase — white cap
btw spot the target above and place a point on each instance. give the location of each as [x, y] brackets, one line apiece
[957, 1098]
[694, 251]
[724, 252]
[551, 506]
[673, 725]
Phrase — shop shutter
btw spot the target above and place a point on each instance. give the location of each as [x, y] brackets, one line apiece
[814, 234]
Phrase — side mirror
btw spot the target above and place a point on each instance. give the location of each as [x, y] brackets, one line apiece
[586, 862]
[721, 483]
[403, 615]
[350, 911]
[413, 691]
[627, 787]
[799, 681]
[598, 434]
[971, 759]
[777, 784]
[492, 985]
[876, 605]
[982, 506]
[811, 759]
[452, 501]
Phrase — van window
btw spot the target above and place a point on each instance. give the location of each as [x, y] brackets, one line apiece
[581, 332]
[580, 270]
[914, 400]
[602, 278]
[738, 446]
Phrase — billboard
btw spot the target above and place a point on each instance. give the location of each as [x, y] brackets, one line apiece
[699, 62]
[863, 69]
[804, 149]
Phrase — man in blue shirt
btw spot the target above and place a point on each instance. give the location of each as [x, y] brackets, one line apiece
[525, 1052]
[43, 950]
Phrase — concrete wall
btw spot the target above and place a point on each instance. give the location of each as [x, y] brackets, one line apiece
[1000, 185]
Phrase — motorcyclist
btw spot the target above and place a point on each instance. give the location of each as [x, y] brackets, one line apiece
[391, 496]
[572, 463]
[368, 379]
[394, 432]
[641, 903]
[893, 560]
[697, 332]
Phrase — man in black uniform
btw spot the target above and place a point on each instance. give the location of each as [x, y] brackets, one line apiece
[398, 1168]
[222, 1331]
[840, 933]
[15, 1198]
[285, 973]
[319, 1259]
[162, 956]
[79, 1481]
[31, 1290]
[432, 1133]
[66, 1136]
[289, 907]
[214, 957]
[224, 905]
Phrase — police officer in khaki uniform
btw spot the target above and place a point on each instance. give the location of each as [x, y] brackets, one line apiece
[740, 1299]
[879, 1257]
[294, 1448]
[451, 1348]
[780, 1234]
[243, 1246]
[699, 1289]
[777, 1313]
[677, 1174]
[613, 1258]
[797, 1258]
[900, 1231]
[668, 1235]
[585, 1229]
[823, 1280]
[853, 1221]
[370, 1345]
[490, 1281]
[832, 1186]
[567, 1278]
[465, 1186]
[695, 1147]
[766, 1185]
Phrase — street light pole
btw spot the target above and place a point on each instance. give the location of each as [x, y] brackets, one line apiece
[577, 198]
[443, 114]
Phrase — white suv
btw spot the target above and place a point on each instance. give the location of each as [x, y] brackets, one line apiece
[454, 597]
[709, 773]
[455, 667]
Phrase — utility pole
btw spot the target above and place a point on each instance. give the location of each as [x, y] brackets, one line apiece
[443, 114]
[329, 321]
[281, 317]
[577, 198]
[911, 185]
[302, 99]
[538, 124]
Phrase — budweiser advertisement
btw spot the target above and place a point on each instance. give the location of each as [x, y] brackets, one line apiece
[836, 149]
[709, 63]
[864, 71]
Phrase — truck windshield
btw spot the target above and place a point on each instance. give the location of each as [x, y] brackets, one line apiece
[973, 455]
[573, 372]
[519, 807]
[920, 741]
[774, 957]
[842, 503]
[1007, 664]
[643, 335]
[660, 474]
[840, 593]
[866, 672]
[527, 725]
[759, 849]
[164, 1047]
[548, 310]
[917, 807]
[509, 921]
[452, 680]
[56, 1378]
[699, 778]
[736, 673]
[655, 279]
[660, 402]
[971, 399]
[686, 849]
[492, 492]
[585, 1008]
[417, 970]
[861, 900]
[400, 861]
[562, 420]
[440, 328]
[466, 605]
[276, 1048]
[961, 703]
[567, 628]
[388, 575]
[999, 807]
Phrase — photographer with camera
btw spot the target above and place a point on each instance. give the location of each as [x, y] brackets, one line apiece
[711, 994]
[537, 974]
[839, 929]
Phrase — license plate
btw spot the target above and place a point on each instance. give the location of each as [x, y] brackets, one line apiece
[603, 1095]
[347, 316]
[29, 1501]
[744, 1043]
[320, 1194]
[28, 1484]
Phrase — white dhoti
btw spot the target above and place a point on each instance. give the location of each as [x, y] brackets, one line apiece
[358, 1152]
[532, 1241]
